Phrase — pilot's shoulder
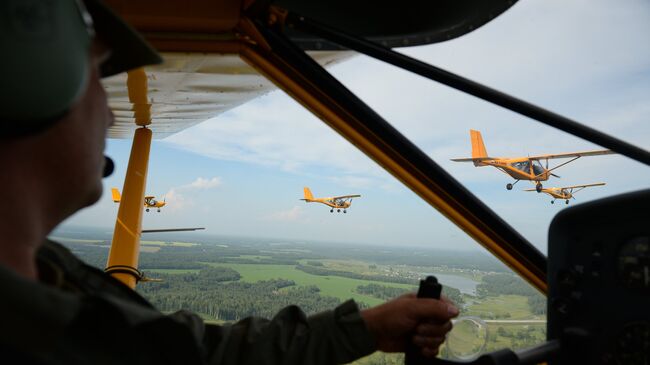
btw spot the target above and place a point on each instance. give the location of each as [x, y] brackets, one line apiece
[59, 267]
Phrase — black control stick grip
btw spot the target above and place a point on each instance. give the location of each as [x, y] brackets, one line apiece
[429, 288]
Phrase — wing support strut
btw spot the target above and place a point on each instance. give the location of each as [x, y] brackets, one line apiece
[556, 167]
[125, 249]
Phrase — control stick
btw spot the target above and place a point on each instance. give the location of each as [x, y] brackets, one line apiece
[429, 288]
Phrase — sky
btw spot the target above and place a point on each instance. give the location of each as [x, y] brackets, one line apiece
[242, 173]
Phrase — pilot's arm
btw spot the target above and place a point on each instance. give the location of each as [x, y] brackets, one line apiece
[333, 337]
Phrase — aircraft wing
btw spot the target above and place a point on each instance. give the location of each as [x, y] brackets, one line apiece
[172, 230]
[573, 186]
[572, 154]
[582, 186]
[203, 74]
[190, 88]
[346, 196]
[473, 159]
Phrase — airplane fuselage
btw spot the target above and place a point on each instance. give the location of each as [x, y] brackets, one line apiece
[519, 168]
[151, 202]
[332, 203]
[557, 193]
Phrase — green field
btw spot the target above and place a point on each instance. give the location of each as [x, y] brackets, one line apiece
[173, 271]
[168, 244]
[254, 257]
[74, 240]
[342, 288]
[144, 243]
[503, 306]
[355, 266]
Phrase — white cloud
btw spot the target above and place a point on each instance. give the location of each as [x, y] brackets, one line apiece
[203, 183]
[277, 132]
[177, 201]
[183, 197]
[291, 215]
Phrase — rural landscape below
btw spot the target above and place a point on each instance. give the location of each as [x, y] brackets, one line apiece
[225, 279]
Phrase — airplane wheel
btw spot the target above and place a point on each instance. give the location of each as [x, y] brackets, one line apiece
[538, 188]
[552, 201]
[509, 186]
[567, 201]
[338, 210]
[158, 210]
[147, 209]
[331, 210]
[345, 211]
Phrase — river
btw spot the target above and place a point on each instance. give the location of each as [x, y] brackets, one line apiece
[465, 285]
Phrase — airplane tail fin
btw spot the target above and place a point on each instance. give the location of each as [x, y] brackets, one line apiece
[478, 147]
[308, 194]
[116, 195]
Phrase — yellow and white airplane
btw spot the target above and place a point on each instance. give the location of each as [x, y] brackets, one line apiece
[334, 202]
[521, 168]
[150, 201]
[566, 192]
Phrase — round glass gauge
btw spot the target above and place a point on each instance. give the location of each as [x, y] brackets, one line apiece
[468, 338]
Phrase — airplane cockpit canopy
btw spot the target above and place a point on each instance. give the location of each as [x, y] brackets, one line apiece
[215, 65]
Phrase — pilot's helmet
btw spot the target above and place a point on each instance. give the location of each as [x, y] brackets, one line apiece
[45, 64]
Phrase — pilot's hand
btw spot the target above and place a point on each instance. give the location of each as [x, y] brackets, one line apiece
[424, 322]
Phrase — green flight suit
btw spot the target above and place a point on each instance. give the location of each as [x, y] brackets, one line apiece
[77, 314]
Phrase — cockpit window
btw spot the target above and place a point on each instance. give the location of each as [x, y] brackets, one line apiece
[242, 174]
[537, 168]
[522, 166]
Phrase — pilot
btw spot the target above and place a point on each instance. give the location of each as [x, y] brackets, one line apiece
[58, 310]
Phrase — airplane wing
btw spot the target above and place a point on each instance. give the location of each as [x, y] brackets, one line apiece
[205, 73]
[572, 154]
[346, 196]
[583, 186]
[189, 88]
[573, 186]
[473, 159]
[172, 230]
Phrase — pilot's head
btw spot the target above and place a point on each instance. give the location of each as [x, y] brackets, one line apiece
[53, 108]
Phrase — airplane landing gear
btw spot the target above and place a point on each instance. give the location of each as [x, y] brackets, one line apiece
[338, 210]
[552, 201]
[345, 211]
[158, 210]
[331, 210]
[509, 186]
[538, 187]
[147, 209]
[567, 201]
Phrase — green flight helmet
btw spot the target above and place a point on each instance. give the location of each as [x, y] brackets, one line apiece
[44, 58]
